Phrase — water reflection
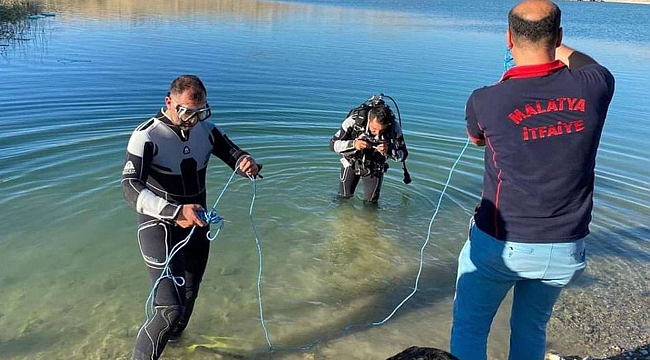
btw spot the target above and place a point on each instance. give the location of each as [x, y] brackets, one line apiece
[249, 12]
[30, 35]
[126, 9]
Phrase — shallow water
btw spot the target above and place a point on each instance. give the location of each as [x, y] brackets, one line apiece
[281, 77]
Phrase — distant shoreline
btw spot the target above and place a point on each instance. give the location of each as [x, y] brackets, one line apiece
[617, 1]
[621, 1]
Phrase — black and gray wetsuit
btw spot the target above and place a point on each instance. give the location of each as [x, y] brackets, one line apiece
[369, 163]
[165, 168]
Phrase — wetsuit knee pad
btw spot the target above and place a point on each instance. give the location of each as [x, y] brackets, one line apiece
[153, 337]
[164, 319]
[171, 313]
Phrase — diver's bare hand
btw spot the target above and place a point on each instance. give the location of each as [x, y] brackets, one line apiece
[248, 166]
[360, 144]
[187, 217]
[382, 148]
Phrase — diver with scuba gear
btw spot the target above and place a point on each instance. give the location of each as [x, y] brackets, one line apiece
[368, 137]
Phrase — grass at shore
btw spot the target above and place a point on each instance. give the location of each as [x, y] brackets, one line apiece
[14, 17]
[13, 11]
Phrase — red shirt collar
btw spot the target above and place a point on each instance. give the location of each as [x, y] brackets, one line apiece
[521, 72]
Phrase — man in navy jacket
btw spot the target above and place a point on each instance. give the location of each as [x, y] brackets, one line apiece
[541, 126]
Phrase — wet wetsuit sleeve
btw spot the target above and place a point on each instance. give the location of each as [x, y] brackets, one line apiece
[139, 155]
[474, 130]
[400, 152]
[225, 149]
[342, 142]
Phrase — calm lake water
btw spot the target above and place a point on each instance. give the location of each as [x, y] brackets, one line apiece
[281, 77]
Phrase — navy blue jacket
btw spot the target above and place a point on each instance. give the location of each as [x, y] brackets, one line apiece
[542, 126]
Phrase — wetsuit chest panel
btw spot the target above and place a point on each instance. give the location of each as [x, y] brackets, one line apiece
[172, 151]
[179, 166]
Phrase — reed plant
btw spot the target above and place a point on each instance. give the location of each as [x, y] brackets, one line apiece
[14, 18]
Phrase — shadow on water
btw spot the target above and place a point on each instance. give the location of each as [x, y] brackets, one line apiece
[359, 287]
[627, 246]
[376, 305]
[370, 301]
[23, 345]
[625, 243]
[223, 354]
[363, 280]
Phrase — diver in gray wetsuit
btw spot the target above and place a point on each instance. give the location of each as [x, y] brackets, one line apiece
[163, 179]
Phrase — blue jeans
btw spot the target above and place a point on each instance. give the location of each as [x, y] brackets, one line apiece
[487, 269]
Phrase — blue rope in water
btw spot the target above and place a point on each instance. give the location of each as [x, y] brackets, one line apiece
[349, 327]
[259, 272]
[508, 61]
[210, 217]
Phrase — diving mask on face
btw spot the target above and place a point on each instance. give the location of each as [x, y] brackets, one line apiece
[192, 116]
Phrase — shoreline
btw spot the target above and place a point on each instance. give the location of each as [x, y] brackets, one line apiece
[602, 315]
[647, 2]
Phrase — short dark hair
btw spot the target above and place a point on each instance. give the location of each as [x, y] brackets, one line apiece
[382, 113]
[423, 353]
[190, 83]
[544, 31]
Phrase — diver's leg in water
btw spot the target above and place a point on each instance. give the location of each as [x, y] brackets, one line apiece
[348, 182]
[196, 259]
[156, 240]
[372, 187]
